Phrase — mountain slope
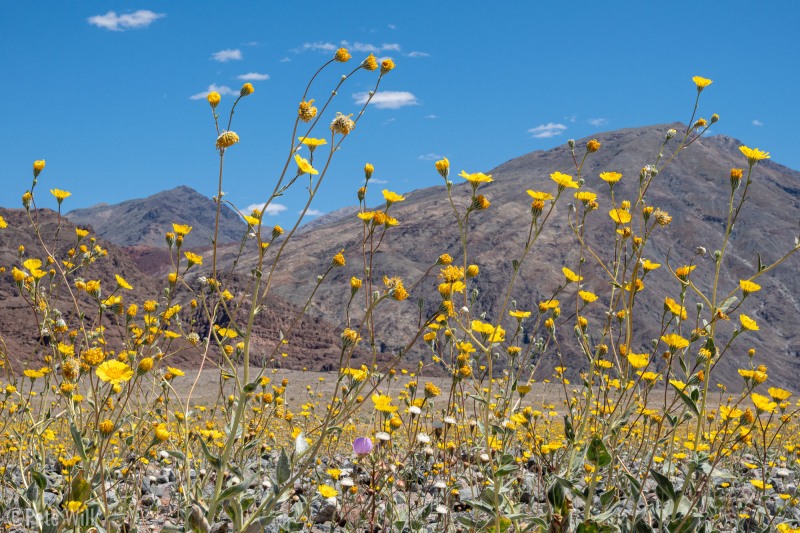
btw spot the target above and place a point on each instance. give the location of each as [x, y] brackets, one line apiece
[694, 189]
[144, 221]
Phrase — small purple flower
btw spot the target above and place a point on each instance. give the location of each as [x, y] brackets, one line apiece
[362, 445]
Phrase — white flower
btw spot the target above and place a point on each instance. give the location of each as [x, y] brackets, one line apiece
[423, 438]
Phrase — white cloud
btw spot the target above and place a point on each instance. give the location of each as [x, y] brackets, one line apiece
[416, 53]
[272, 209]
[312, 213]
[430, 157]
[757, 122]
[369, 48]
[285, 60]
[223, 56]
[545, 131]
[252, 43]
[387, 99]
[253, 76]
[378, 181]
[598, 121]
[129, 21]
[572, 118]
[388, 121]
[432, 116]
[317, 47]
[223, 90]
[391, 26]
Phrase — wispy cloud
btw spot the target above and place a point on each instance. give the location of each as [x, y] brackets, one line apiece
[757, 122]
[368, 48]
[223, 90]
[272, 209]
[317, 47]
[285, 60]
[545, 131]
[387, 99]
[223, 56]
[391, 26]
[598, 121]
[432, 116]
[379, 181]
[430, 156]
[312, 213]
[417, 53]
[129, 21]
[253, 76]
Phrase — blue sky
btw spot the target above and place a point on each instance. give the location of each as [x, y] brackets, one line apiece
[104, 91]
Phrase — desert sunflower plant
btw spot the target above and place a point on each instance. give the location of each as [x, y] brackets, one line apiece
[104, 431]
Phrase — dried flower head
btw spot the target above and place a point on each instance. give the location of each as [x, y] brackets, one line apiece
[226, 140]
[306, 110]
[342, 124]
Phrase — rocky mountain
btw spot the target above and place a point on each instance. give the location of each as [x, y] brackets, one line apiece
[20, 341]
[144, 221]
[694, 189]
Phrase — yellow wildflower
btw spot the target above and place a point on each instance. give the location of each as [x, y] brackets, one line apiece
[60, 195]
[610, 177]
[620, 216]
[753, 155]
[587, 296]
[571, 276]
[303, 166]
[638, 360]
[122, 283]
[564, 181]
[748, 286]
[370, 63]
[193, 259]
[246, 90]
[342, 55]
[748, 323]
[392, 197]
[675, 341]
[701, 82]
[114, 372]
[477, 177]
[327, 491]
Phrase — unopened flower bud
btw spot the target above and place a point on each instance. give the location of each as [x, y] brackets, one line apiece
[247, 89]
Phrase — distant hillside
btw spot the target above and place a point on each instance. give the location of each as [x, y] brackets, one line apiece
[314, 347]
[693, 189]
[144, 221]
